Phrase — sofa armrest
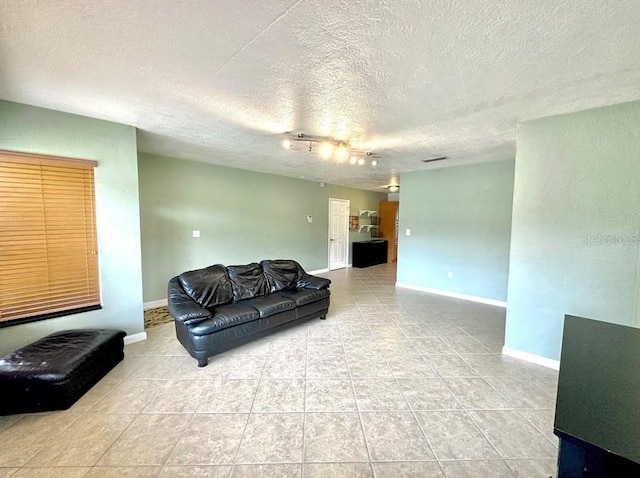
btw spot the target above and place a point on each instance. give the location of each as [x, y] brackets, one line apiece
[182, 307]
[308, 281]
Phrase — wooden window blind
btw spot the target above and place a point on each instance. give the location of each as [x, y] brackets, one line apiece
[48, 241]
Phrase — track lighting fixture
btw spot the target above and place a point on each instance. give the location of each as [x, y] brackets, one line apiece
[330, 148]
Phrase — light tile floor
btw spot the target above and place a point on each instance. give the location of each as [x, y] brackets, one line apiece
[395, 383]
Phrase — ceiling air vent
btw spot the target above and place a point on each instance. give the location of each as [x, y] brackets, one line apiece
[431, 160]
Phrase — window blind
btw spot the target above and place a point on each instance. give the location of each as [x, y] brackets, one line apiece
[48, 241]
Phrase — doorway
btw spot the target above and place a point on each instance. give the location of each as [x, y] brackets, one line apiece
[338, 233]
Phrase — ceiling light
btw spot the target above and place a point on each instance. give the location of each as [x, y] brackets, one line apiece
[326, 150]
[287, 143]
[329, 148]
[341, 153]
[394, 189]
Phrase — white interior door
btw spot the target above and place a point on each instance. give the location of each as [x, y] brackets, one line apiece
[338, 233]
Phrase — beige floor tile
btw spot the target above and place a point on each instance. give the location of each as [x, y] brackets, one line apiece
[279, 396]
[408, 469]
[148, 441]
[521, 392]
[416, 329]
[427, 394]
[405, 366]
[272, 438]
[450, 366]
[156, 366]
[543, 421]
[454, 436]
[487, 365]
[229, 396]
[368, 366]
[327, 366]
[289, 346]
[396, 346]
[179, 396]
[360, 345]
[285, 366]
[464, 344]
[92, 397]
[395, 436]
[473, 469]
[84, 442]
[267, 471]
[123, 472]
[431, 345]
[379, 394]
[512, 435]
[7, 472]
[29, 434]
[337, 470]
[195, 472]
[476, 393]
[325, 346]
[210, 439]
[59, 472]
[534, 468]
[8, 420]
[129, 396]
[238, 366]
[328, 395]
[334, 437]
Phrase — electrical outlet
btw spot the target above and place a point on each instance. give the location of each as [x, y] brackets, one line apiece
[449, 275]
[407, 232]
[196, 233]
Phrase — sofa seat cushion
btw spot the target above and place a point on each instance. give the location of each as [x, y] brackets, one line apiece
[304, 296]
[270, 304]
[225, 316]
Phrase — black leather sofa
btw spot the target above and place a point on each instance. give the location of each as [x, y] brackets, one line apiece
[219, 307]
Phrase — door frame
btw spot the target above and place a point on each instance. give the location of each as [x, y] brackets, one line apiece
[348, 201]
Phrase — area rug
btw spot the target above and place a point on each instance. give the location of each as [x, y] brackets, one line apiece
[158, 316]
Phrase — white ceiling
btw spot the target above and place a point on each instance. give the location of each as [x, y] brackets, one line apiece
[221, 80]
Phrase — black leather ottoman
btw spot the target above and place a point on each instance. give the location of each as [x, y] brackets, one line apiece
[55, 371]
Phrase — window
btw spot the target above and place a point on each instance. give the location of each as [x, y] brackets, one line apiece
[48, 242]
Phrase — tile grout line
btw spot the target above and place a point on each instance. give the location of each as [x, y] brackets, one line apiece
[355, 399]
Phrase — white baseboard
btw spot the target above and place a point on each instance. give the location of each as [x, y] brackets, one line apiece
[533, 358]
[130, 339]
[318, 271]
[454, 295]
[154, 304]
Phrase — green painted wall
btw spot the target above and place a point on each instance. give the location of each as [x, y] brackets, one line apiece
[576, 216]
[242, 217]
[460, 221]
[36, 130]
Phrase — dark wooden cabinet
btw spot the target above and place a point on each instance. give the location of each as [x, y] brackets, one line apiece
[597, 418]
[369, 253]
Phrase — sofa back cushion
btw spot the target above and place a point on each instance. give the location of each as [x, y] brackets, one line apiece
[209, 286]
[281, 274]
[247, 281]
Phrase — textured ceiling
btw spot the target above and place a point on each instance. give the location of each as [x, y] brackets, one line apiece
[221, 81]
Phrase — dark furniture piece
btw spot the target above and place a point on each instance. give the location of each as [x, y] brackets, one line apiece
[219, 307]
[369, 253]
[54, 372]
[598, 405]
